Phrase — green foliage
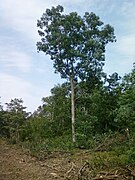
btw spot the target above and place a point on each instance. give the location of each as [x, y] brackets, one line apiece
[76, 44]
[36, 128]
[125, 117]
[3, 123]
[96, 114]
[105, 160]
[104, 105]
[99, 114]
[13, 119]
[61, 108]
[43, 147]
[56, 110]
[131, 155]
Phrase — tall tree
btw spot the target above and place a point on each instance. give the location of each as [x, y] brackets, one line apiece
[75, 44]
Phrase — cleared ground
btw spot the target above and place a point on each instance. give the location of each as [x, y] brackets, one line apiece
[17, 164]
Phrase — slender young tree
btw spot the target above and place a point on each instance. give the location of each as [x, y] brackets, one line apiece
[75, 44]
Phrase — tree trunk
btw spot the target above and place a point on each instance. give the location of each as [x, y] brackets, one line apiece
[73, 109]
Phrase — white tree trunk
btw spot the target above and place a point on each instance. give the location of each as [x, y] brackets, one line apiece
[73, 109]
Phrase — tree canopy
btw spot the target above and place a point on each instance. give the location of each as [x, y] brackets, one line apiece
[75, 44]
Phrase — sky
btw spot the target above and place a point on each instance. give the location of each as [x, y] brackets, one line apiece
[29, 75]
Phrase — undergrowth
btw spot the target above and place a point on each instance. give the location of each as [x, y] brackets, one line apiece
[107, 150]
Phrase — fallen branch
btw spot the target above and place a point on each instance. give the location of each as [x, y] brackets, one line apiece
[132, 172]
[70, 170]
[82, 169]
[108, 177]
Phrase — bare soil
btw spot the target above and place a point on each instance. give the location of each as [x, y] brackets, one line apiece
[17, 164]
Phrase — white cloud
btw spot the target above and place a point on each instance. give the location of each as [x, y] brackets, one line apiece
[11, 57]
[128, 14]
[128, 8]
[14, 87]
[19, 36]
[22, 16]
[126, 45]
[121, 55]
[16, 60]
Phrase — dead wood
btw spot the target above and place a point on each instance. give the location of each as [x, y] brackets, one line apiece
[82, 170]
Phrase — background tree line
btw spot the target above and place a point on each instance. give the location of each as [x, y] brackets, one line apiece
[107, 107]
